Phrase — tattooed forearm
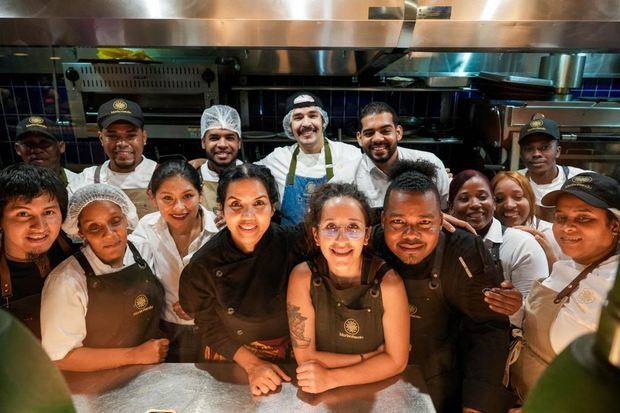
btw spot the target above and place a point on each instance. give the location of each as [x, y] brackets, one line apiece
[297, 325]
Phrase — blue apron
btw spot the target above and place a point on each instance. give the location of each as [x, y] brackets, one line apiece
[298, 189]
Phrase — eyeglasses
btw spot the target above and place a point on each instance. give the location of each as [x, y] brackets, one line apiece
[351, 231]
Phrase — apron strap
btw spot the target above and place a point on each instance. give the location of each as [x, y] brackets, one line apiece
[63, 243]
[329, 167]
[316, 277]
[136, 255]
[81, 259]
[437, 261]
[98, 174]
[63, 176]
[5, 279]
[573, 285]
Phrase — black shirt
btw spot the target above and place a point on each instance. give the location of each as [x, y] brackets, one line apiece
[483, 335]
[237, 298]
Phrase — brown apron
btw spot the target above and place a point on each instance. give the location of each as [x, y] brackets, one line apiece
[138, 196]
[534, 352]
[209, 194]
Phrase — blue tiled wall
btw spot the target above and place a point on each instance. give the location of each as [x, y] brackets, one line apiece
[600, 88]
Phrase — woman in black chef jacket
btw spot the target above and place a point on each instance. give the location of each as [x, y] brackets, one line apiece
[100, 308]
[235, 285]
[348, 311]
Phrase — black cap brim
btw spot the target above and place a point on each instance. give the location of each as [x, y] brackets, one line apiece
[107, 121]
[551, 199]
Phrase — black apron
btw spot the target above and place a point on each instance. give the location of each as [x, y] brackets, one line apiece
[124, 307]
[434, 337]
[348, 321]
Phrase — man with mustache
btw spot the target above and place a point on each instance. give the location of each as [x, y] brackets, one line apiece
[33, 204]
[539, 142]
[37, 143]
[378, 137]
[458, 342]
[122, 135]
[220, 129]
[299, 169]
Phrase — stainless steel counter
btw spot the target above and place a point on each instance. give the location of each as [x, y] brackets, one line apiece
[219, 387]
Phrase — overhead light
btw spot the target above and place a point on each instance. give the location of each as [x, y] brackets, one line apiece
[55, 57]
[20, 54]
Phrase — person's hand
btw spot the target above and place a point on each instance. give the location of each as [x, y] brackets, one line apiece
[313, 377]
[370, 354]
[219, 218]
[265, 377]
[176, 307]
[197, 163]
[449, 223]
[505, 300]
[470, 410]
[450, 174]
[151, 352]
[544, 243]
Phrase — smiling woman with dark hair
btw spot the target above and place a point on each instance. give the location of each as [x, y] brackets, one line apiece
[235, 285]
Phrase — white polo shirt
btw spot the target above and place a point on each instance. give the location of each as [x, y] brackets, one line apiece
[580, 314]
[345, 159]
[558, 181]
[138, 179]
[374, 182]
[168, 263]
[523, 260]
[64, 300]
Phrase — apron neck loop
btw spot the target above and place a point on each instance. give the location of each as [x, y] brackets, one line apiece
[437, 261]
[574, 284]
[329, 167]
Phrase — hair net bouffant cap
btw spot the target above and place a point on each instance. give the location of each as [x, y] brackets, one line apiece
[302, 100]
[98, 192]
[220, 117]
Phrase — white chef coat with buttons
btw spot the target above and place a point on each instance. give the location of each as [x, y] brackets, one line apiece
[580, 314]
[64, 300]
[138, 179]
[345, 159]
[167, 262]
[374, 182]
[523, 260]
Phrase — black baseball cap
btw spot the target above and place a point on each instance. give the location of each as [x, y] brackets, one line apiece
[303, 100]
[543, 126]
[119, 109]
[36, 124]
[594, 189]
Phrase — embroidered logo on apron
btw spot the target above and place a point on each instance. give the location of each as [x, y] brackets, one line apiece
[141, 302]
[413, 311]
[351, 328]
[311, 187]
[585, 297]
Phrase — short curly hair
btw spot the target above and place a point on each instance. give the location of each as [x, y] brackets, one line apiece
[413, 177]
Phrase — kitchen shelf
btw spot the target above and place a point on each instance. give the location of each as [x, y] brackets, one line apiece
[356, 89]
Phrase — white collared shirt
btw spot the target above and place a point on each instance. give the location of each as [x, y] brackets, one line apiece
[64, 300]
[374, 182]
[580, 314]
[71, 176]
[168, 263]
[211, 176]
[543, 189]
[138, 179]
[345, 159]
[523, 260]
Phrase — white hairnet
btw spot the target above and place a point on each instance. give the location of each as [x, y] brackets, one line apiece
[220, 117]
[98, 192]
[286, 122]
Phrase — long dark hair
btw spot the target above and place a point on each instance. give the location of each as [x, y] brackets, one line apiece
[172, 168]
[248, 171]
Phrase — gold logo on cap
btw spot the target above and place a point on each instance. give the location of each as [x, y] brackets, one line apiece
[582, 179]
[141, 302]
[351, 326]
[119, 105]
[37, 120]
[536, 123]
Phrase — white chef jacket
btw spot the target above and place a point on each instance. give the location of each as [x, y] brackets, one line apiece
[345, 159]
[64, 300]
[580, 314]
[211, 176]
[71, 176]
[374, 182]
[544, 189]
[523, 260]
[138, 179]
[167, 262]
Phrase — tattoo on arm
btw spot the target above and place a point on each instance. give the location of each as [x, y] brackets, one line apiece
[297, 325]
